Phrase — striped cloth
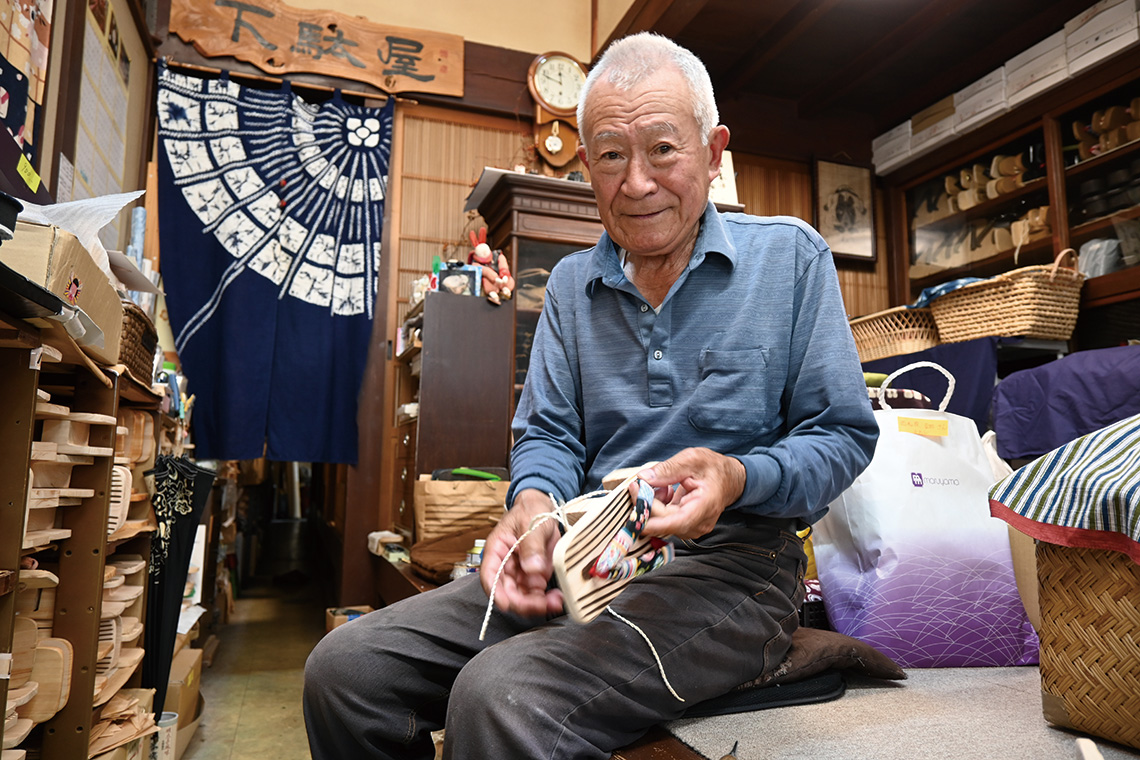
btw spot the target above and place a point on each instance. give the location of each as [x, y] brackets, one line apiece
[1085, 493]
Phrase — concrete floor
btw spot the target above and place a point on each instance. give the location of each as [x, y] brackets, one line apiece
[252, 690]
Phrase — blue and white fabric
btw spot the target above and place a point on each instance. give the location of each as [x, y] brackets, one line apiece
[270, 222]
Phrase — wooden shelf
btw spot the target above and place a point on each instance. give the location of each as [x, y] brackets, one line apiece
[410, 352]
[1049, 115]
[1035, 252]
[1116, 154]
[988, 208]
[1088, 230]
[1114, 287]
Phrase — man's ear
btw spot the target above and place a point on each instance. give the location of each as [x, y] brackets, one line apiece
[582, 155]
[718, 141]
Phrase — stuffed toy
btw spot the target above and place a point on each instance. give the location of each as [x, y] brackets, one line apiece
[498, 285]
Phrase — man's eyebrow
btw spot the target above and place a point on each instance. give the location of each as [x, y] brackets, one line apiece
[653, 130]
[664, 127]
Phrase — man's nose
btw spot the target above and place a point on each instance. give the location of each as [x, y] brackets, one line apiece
[639, 179]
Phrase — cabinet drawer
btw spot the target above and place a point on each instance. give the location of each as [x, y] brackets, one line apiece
[406, 442]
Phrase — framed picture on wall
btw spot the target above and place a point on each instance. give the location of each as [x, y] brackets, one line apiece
[844, 210]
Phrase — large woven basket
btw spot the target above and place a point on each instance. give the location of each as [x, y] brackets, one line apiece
[1031, 302]
[138, 343]
[1090, 641]
[894, 332]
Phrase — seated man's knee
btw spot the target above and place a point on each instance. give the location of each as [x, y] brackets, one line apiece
[332, 658]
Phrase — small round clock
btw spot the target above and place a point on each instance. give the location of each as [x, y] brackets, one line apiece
[555, 81]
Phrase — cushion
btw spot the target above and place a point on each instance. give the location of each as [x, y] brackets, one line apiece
[811, 672]
[434, 559]
[821, 687]
[814, 651]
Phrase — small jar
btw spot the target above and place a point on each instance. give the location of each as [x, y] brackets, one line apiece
[475, 553]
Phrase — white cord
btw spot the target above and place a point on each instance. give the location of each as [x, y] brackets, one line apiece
[660, 665]
[559, 513]
[556, 514]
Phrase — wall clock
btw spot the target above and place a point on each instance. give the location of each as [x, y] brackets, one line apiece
[555, 82]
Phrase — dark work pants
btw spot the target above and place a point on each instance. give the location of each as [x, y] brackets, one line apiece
[720, 614]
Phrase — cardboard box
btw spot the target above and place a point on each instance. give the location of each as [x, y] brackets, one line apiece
[995, 78]
[890, 136]
[335, 616]
[184, 685]
[1100, 32]
[186, 732]
[935, 134]
[982, 107]
[1037, 69]
[55, 259]
[931, 115]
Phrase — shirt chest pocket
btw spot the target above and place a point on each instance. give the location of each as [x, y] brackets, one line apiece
[734, 394]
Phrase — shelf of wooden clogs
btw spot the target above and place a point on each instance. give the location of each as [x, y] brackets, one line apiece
[987, 208]
[1032, 253]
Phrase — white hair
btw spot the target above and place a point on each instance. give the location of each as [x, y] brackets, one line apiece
[631, 60]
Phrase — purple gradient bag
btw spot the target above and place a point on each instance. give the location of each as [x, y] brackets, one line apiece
[910, 560]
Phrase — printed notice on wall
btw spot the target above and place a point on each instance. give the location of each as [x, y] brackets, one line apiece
[65, 181]
[100, 145]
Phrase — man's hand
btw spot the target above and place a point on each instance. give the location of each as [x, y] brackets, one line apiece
[706, 482]
[522, 586]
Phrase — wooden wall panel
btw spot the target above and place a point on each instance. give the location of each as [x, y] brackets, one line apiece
[440, 161]
[770, 187]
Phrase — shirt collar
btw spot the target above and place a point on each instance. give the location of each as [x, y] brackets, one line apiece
[605, 264]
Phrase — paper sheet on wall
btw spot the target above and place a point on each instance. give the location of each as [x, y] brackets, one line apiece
[66, 180]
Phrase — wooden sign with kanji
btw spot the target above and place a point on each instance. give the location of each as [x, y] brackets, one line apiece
[279, 39]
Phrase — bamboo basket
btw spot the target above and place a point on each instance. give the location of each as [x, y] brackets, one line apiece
[1090, 641]
[1030, 302]
[138, 343]
[894, 332]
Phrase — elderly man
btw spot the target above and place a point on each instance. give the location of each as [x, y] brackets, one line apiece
[715, 345]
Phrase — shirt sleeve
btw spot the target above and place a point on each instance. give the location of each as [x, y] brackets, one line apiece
[548, 453]
[831, 430]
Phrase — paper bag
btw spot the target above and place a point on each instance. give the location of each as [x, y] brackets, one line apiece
[910, 560]
[445, 507]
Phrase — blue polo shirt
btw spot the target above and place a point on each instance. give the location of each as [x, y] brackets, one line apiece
[750, 355]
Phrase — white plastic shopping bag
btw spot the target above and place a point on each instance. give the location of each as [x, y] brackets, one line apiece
[910, 560]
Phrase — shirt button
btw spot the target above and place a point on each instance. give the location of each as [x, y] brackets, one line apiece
[658, 354]
[644, 308]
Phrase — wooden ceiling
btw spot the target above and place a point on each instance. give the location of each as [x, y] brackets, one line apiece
[794, 75]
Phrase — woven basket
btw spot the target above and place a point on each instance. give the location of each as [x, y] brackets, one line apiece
[1090, 641]
[138, 343]
[1031, 302]
[893, 332]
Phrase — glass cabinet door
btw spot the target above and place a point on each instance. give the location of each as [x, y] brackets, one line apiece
[991, 212]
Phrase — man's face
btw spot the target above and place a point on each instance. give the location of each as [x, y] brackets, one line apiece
[648, 168]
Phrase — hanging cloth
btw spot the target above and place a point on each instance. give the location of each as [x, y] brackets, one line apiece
[181, 489]
[270, 216]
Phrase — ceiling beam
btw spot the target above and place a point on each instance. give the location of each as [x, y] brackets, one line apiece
[666, 17]
[890, 49]
[796, 21]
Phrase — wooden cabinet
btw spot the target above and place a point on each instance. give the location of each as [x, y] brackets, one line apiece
[457, 369]
[1058, 171]
[61, 440]
[536, 221]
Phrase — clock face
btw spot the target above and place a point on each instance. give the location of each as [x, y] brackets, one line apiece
[558, 81]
